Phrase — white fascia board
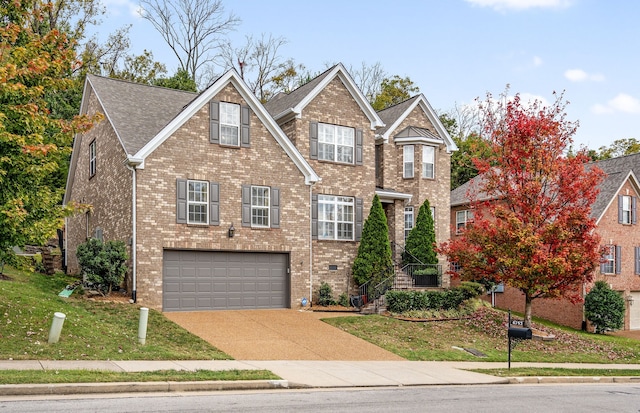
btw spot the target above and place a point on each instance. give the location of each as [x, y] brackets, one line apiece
[415, 140]
[634, 181]
[431, 114]
[388, 196]
[342, 73]
[435, 120]
[232, 77]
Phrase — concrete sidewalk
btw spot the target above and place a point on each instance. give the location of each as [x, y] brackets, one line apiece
[294, 374]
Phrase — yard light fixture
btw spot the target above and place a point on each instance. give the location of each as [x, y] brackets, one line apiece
[232, 231]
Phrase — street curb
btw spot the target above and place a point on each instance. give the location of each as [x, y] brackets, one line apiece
[574, 379]
[138, 387]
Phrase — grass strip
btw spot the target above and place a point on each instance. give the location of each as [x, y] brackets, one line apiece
[552, 372]
[102, 376]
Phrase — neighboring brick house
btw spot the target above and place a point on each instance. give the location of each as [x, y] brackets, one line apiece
[226, 203]
[413, 163]
[615, 214]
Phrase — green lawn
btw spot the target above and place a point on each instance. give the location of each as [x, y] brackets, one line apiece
[485, 331]
[92, 330]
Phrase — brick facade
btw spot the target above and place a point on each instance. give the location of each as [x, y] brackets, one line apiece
[627, 283]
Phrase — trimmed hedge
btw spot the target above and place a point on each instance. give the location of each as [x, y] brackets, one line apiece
[403, 301]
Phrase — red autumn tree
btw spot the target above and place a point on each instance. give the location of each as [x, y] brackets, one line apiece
[532, 228]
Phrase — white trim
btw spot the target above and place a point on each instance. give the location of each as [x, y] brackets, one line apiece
[231, 77]
[634, 182]
[340, 72]
[418, 140]
[422, 101]
[391, 196]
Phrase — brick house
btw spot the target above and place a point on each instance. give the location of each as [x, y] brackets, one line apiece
[226, 203]
[615, 214]
[413, 164]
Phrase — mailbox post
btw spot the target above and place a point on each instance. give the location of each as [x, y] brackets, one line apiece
[518, 333]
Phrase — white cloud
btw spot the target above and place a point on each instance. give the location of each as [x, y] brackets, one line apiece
[537, 61]
[579, 75]
[123, 7]
[621, 103]
[502, 5]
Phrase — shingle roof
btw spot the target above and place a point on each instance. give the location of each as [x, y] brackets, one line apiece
[616, 170]
[284, 101]
[391, 114]
[151, 107]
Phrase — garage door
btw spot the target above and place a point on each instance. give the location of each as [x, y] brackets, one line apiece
[217, 280]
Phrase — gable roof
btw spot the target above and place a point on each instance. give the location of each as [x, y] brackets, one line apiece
[617, 170]
[396, 114]
[293, 103]
[143, 117]
[137, 112]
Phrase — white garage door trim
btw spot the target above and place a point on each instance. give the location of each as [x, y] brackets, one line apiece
[222, 280]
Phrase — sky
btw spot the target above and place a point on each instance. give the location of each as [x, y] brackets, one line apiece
[455, 51]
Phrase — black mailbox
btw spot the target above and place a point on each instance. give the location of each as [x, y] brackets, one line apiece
[521, 333]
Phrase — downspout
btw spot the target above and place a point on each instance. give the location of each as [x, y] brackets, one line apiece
[311, 243]
[132, 165]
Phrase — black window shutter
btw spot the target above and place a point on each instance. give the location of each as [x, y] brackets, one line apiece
[314, 216]
[618, 258]
[358, 146]
[633, 210]
[275, 207]
[619, 209]
[214, 122]
[637, 260]
[246, 205]
[359, 219]
[313, 140]
[214, 203]
[245, 123]
[181, 201]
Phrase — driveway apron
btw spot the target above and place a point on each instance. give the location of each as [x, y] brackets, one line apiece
[277, 335]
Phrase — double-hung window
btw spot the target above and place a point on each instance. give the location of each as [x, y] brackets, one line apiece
[611, 259]
[626, 209]
[428, 162]
[336, 216]
[229, 124]
[198, 202]
[407, 158]
[260, 206]
[92, 158]
[463, 218]
[408, 221]
[335, 143]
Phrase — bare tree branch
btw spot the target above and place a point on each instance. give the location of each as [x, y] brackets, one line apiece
[193, 29]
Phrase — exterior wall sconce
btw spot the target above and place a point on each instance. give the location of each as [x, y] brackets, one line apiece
[630, 299]
[232, 231]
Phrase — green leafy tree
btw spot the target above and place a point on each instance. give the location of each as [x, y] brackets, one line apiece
[181, 81]
[393, 91]
[421, 242]
[103, 264]
[373, 260]
[619, 147]
[32, 142]
[604, 308]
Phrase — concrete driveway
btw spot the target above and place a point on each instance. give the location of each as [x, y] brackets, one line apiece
[277, 335]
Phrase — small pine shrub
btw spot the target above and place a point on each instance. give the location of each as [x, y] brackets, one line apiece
[604, 308]
[325, 295]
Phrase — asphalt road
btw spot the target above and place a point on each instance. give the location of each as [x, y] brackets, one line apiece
[441, 399]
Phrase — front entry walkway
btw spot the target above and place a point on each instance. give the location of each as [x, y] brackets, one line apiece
[277, 335]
